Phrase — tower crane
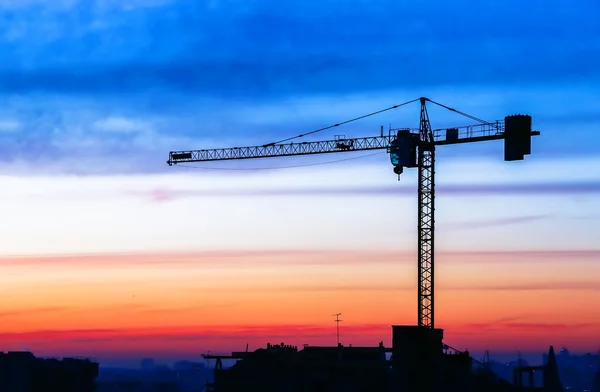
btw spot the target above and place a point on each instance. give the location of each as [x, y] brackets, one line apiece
[408, 148]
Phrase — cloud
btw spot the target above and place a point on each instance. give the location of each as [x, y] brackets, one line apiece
[509, 319]
[227, 338]
[20, 4]
[148, 310]
[496, 222]
[9, 126]
[120, 124]
[565, 188]
[193, 216]
[132, 339]
[537, 286]
[390, 288]
[255, 79]
[585, 217]
[185, 339]
[39, 310]
[252, 258]
[528, 327]
[546, 255]
[111, 308]
[234, 258]
[105, 135]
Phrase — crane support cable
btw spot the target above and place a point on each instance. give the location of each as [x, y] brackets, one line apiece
[459, 112]
[281, 167]
[341, 123]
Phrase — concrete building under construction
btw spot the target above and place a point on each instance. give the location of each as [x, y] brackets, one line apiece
[418, 361]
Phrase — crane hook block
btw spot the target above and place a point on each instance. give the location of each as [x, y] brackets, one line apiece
[403, 150]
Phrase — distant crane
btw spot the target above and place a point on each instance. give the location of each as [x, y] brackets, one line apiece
[408, 148]
[337, 326]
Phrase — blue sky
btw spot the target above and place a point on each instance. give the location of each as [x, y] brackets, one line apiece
[111, 86]
[108, 88]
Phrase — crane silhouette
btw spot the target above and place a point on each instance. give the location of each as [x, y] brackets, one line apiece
[408, 148]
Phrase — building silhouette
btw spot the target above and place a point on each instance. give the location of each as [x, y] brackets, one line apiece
[419, 362]
[596, 384]
[23, 372]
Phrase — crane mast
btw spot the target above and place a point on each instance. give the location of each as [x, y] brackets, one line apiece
[426, 220]
[408, 148]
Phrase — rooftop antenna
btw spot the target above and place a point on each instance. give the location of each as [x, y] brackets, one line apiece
[337, 322]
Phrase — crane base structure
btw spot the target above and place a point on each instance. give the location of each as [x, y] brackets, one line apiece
[408, 148]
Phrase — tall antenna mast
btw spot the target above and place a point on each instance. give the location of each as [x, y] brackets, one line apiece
[337, 323]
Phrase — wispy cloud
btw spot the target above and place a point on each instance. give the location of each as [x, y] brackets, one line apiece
[555, 286]
[496, 222]
[221, 338]
[9, 126]
[529, 327]
[546, 255]
[121, 125]
[197, 333]
[509, 319]
[38, 310]
[565, 188]
[286, 258]
[586, 217]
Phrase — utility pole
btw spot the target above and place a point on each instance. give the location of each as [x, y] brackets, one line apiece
[337, 323]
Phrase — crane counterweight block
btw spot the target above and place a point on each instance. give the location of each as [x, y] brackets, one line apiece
[517, 137]
[180, 156]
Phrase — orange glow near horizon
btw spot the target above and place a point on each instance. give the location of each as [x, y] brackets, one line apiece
[220, 301]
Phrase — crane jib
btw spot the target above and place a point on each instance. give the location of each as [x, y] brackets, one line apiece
[444, 136]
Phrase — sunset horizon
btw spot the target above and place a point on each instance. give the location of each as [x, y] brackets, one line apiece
[106, 251]
[177, 303]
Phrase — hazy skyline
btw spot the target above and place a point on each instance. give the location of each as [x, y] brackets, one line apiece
[107, 251]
